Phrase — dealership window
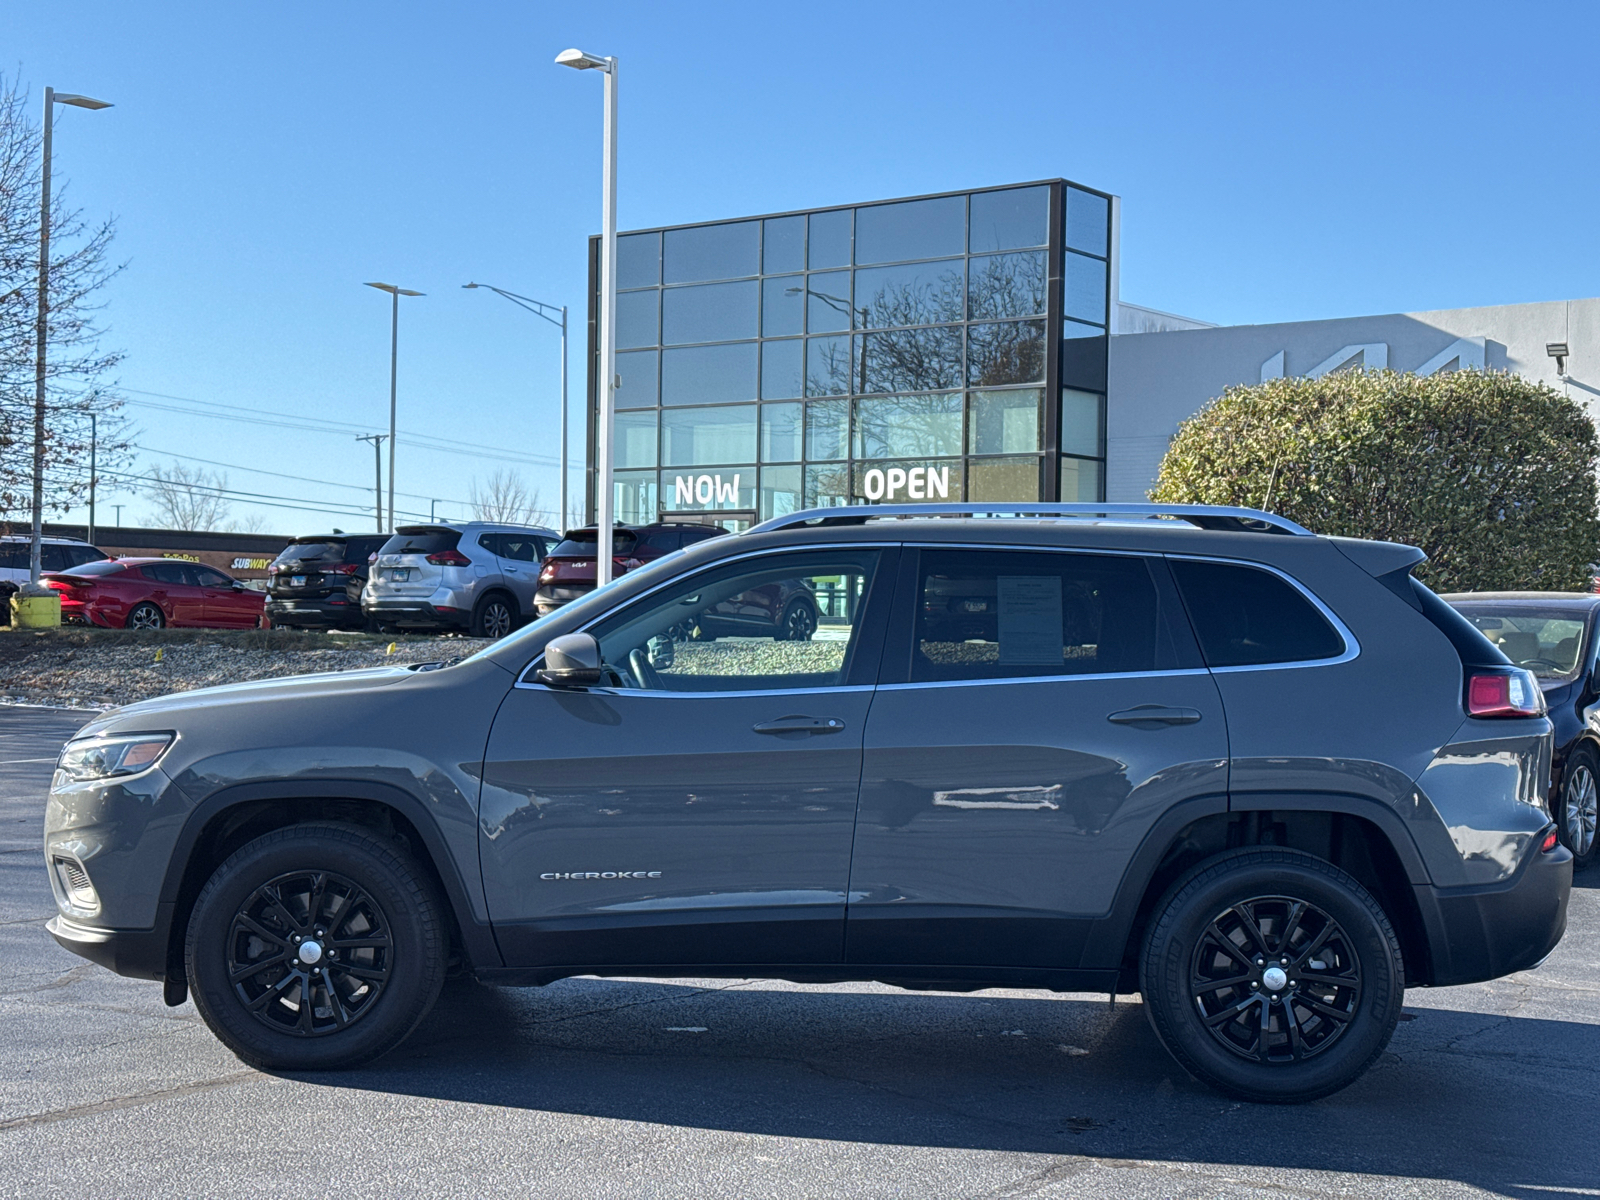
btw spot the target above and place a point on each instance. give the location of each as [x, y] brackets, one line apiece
[783, 245]
[709, 312]
[708, 436]
[783, 369]
[706, 252]
[925, 426]
[1005, 422]
[635, 439]
[709, 374]
[1082, 479]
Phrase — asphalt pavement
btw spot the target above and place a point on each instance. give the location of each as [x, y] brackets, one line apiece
[706, 1088]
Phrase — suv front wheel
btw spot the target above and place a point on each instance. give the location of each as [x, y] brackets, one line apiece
[1272, 975]
[315, 947]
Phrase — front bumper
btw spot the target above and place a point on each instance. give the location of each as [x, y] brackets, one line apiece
[137, 953]
[1478, 933]
[417, 613]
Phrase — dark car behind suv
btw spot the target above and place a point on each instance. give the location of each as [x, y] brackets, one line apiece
[316, 582]
[567, 573]
[1264, 778]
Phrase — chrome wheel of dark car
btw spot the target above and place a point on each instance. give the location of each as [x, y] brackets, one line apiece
[1580, 805]
[1275, 979]
[309, 953]
[799, 623]
[146, 616]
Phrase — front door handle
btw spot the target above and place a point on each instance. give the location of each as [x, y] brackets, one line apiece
[1148, 716]
[804, 725]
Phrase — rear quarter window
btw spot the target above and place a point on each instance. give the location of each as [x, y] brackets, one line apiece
[1246, 617]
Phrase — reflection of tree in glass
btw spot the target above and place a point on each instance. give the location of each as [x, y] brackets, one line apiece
[827, 486]
[1012, 352]
[911, 360]
[829, 367]
[1008, 285]
[910, 426]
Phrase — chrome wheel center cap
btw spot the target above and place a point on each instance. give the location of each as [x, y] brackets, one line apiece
[1274, 979]
[311, 952]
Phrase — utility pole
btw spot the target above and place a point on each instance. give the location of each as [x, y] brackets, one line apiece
[94, 440]
[119, 509]
[377, 440]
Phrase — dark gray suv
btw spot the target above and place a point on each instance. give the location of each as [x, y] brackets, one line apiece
[1262, 777]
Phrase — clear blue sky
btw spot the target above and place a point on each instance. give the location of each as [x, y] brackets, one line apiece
[1276, 162]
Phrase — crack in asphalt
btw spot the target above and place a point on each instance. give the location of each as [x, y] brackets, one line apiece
[75, 1111]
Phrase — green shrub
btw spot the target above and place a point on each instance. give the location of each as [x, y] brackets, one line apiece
[1492, 475]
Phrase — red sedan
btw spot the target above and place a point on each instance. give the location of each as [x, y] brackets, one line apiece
[152, 593]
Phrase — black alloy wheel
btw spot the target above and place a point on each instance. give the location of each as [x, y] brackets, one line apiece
[492, 618]
[798, 623]
[1272, 975]
[146, 616]
[316, 947]
[1580, 805]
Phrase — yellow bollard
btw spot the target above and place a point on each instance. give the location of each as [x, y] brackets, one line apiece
[35, 612]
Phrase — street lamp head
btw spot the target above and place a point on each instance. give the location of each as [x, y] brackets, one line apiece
[470, 285]
[579, 61]
[80, 101]
[395, 291]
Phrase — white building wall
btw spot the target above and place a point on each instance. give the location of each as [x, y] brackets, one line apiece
[1157, 379]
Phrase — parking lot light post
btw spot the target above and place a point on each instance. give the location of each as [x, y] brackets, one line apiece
[538, 308]
[394, 361]
[580, 61]
[41, 333]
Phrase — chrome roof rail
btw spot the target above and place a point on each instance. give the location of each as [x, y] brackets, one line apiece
[1206, 516]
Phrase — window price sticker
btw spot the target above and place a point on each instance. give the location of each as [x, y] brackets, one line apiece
[1030, 618]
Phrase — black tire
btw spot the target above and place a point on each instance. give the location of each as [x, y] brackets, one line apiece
[146, 616]
[798, 623]
[494, 616]
[1579, 805]
[368, 886]
[1299, 1057]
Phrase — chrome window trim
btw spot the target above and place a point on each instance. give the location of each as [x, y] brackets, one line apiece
[664, 694]
[1024, 679]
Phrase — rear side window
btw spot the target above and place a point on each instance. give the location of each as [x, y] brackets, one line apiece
[78, 555]
[1007, 614]
[359, 550]
[1247, 617]
[421, 541]
[664, 540]
[53, 558]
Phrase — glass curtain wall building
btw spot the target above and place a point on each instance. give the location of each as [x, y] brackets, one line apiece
[948, 347]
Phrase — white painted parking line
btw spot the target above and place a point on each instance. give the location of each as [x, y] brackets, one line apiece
[11, 762]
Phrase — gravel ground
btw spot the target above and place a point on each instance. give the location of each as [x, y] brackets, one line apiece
[93, 669]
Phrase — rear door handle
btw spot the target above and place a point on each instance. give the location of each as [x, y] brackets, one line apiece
[800, 725]
[1151, 715]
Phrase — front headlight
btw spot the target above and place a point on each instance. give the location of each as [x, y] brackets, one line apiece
[106, 757]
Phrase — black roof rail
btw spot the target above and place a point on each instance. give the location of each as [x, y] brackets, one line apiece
[1205, 516]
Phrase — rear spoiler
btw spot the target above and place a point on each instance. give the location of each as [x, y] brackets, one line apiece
[1390, 563]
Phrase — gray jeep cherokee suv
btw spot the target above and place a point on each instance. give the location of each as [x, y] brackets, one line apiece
[1260, 776]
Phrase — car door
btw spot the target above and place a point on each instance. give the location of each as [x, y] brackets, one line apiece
[1038, 710]
[175, 590]
[699, 808]
[520, 554]
[225, 605]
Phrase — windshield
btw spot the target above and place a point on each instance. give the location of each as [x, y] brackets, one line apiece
[311, 551]
[581, 543]
[1546, 641]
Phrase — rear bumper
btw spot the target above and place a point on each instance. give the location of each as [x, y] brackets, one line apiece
[327, 610]
[417, 613]
[1478, 933]
[551, 597]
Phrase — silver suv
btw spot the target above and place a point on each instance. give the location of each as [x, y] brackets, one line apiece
[479, 577]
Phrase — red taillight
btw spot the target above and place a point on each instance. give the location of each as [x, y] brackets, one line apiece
[449, 558]
[345, 569]
[1549, 843]
[1504, 694]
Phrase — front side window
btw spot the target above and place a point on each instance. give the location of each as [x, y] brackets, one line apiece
[1246, 617]
[1006, 614]
[206, 577]
[781, 622]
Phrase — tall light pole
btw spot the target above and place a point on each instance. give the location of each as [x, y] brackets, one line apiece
[51, 99]
[538, 308]
[394, 361]
[377, 473]
[578, 60]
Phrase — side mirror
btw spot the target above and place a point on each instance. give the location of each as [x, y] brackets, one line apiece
[571, 660]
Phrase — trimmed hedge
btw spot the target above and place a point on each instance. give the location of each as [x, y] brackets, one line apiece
[1489, 473]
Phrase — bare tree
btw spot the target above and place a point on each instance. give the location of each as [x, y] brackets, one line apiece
[78, 370]
[505, 497]
[187, 498]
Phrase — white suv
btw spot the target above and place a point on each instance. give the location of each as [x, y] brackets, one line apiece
[478, 577]
[56, 554]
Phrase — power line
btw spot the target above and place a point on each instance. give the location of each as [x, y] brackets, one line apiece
[266, 499]
[355, 487]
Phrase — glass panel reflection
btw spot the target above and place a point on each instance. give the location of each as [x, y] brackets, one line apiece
[911, 229]
[1005, 423]
[1085, 288]
[638, 318]
[1010, 220]
[912, 360]
[1088, 222]
[691, 489]
[828, 429]
[910, 480]
[1082, 479]
[634, 497]
[638, 260]
[711, 252]
[716, 312]
[782, 369]
[692, 437]
[897, 426]
[830, 239]
[827, 486]
[1006, 285]
[781, 492]
[709, 374]
[783, 245]
[637, 371]
[1083, 423]
[782, 305]
[829, 366]
[1077, 329]
[916, 294]
[781, 426]
[1011, 352]
[634, 439]
[828, 302]
[1003, 480]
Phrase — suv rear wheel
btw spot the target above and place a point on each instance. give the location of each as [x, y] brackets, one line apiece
[315, 947]
[798, 623]
[1272, 975]
[493, 616]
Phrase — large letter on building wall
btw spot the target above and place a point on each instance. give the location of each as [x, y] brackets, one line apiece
[1467, 353]
[1374, 356]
